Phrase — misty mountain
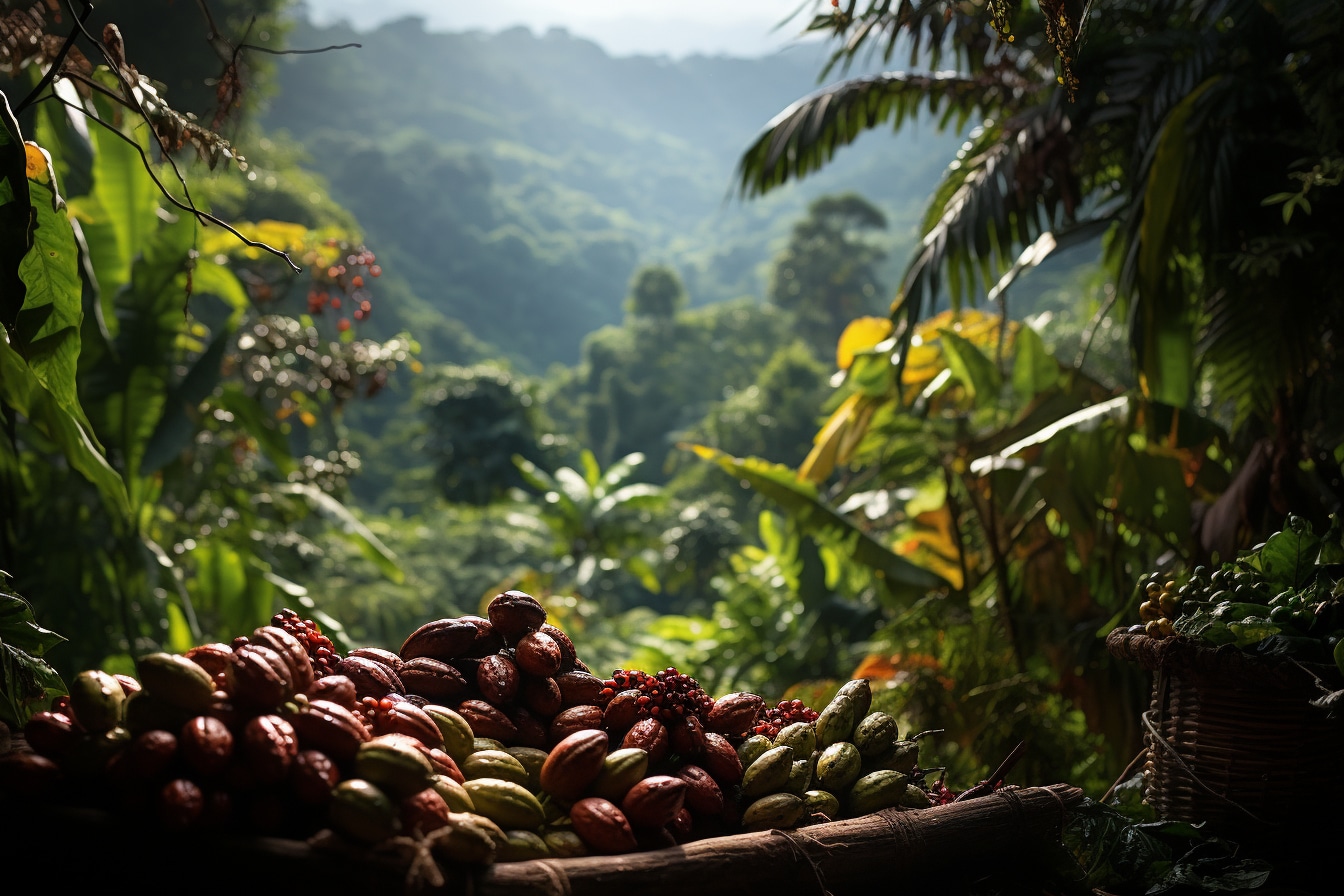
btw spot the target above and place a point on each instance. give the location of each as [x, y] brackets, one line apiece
[516, 181]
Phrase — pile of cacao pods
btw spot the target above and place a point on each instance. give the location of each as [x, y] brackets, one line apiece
[486, 737]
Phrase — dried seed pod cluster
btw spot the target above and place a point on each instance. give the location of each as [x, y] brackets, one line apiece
[488, 735]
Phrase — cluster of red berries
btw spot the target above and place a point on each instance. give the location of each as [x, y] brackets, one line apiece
[341, 282]
[785, 713]
[668, 694]
[940, 793]
[321, 651]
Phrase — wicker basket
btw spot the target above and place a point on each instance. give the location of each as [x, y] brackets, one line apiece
[1233, 739]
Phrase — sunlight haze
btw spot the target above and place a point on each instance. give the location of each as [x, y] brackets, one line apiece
[622, 27]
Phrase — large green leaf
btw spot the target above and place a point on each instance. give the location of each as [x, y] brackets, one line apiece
[21, 389]
[119, 216]
[976, 371]
[15, 213]
[1035, 370]
[350, 527]
[800, 499]
[48, 325]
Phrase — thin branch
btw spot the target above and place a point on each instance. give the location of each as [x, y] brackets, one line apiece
[56, 63]
[204, 217]
[1092, 327]
[298, 52]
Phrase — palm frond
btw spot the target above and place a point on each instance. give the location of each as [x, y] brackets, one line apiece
[806, 135]
[931, 32]
[1010, 183]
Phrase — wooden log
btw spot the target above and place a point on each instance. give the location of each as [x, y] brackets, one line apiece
[850, 856]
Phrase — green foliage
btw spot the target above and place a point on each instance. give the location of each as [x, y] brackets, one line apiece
[655, 292]
[479, 419]
[27, 682]
[600, 523]
[827, 275]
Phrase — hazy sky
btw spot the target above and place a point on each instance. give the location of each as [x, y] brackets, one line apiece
[674, 27]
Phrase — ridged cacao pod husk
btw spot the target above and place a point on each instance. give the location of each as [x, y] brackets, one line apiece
[602, 826]
[206, 745]
[537, 653]
[654, 801]
[442, 639]
[514, 614]
[498, 679]
[542, 696]
[576, 718]
[487, 721]
[720, 760]
[270, 745]
[574, 764]
[329, 728]
[733, 715]
[433, 679]
[291, 651]
[336, 689]
[371, 678]
[259, 678]
[651, 736]
[568, 657]
[580, 689]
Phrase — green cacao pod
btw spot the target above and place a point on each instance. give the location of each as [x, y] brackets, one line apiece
[876, 791]
[777, 810]
[769, 773]
[362, 811]
[875, 735]
[802, 736]
[494, 764]
[836, 722]
[838, 767]
[509, 805]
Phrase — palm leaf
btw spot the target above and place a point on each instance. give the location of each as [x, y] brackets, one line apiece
[806, 135]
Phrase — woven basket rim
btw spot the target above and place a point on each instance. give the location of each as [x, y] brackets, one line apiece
[1230, 663]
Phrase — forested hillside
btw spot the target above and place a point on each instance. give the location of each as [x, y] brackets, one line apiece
[515, 181]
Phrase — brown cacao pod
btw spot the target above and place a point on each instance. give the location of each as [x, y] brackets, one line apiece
[291, 650]
[180, 804]
[371, 678]
[655, 801]
[487, 641]
[442, 639]
[719, 758]
[406, 718]
[213, 658]
[259, 678]
[649, 735]
[602, 826]
[270, 745]
[687, 736]
[703, 794]
[514, 614]
[574, 763]
[576, 718]
[532, 732]
[733, 715]
[433, 679]
[580, 689]
[28, 774]
[312, 776]
[622, 712]
[681, 826]
[424, 811]
[336, 689]
[542, 696]
[487, 721]
[206, 744]
[150, 756]
[128, 684]
[330, 728]
[538, 654]
[51, 734]
[567, 654]
[379, 655]
[498, 679]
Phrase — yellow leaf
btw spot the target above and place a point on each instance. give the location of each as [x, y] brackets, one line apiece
[37, 164]
[820, 460]
[860, 335]
[307, 418]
